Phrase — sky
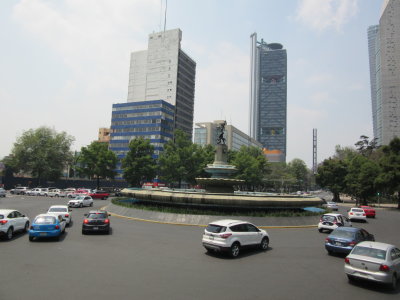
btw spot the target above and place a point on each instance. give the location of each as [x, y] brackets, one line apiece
[63, 63]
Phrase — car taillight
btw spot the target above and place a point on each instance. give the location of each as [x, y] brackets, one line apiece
[225, 235]
[106, 221]
[347, 261]
[364, 215]
[351, 213]
[384, 268]
[57, 227]
[327, 240]
[86, 221]
[352, 244]
[3, 222]
[66, 215]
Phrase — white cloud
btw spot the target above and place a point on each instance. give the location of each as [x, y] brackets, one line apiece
[325, 14]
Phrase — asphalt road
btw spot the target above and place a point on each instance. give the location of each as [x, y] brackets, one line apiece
[141, 260]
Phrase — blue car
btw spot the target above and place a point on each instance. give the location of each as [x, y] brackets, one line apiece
[343, 239]
[45, 226]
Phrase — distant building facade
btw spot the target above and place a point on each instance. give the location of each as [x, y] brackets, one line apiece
[384, 59]
[268, 95]
[206, 134]
[164, 71]
[104, 135]
[151, 120]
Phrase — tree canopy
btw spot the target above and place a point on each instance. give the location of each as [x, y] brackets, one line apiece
[41, 152]
[139, 164]
[97, 161]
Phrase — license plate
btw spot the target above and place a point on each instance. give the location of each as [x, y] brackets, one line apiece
[211, 237]
[43, 234]
[338, 244]
[95, 228]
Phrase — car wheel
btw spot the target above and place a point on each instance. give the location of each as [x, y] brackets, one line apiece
[10, 233]
[26, 227]
[264, 243]
[393, 284]
[81, 205]
[31, 238]
[330, 252]
[235, 250]
[91, 203]
[320, 229]
[83, 232]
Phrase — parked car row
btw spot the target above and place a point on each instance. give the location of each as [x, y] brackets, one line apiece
[366, 259]
[50, 224]
[55, 192]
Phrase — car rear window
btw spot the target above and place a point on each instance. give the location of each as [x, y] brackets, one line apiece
[342, 234]
[357, 210]
[57, 209]
[45, 220]
[1, 217]
[328, 218]
[97, 216]
[370, 252]
[215, 228]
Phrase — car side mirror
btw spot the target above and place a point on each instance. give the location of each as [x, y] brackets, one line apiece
[85, 215]
[23, 216]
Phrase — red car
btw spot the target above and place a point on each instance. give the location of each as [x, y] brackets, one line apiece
[99, 195]
[369, 211]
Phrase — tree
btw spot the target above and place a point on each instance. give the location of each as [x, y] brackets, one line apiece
[97, 161]
[279, 177]
[331, 175]
[42, 152]
[365, 146]
[251, 164]
[299, 171]
[139, 164]
[360, 179]
[182, 160]
[390, 164]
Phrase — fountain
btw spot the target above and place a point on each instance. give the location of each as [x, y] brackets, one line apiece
[219, 189]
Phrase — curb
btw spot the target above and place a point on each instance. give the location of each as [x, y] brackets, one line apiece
[201, 225]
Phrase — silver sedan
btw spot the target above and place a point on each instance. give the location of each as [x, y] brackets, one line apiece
[374, 261]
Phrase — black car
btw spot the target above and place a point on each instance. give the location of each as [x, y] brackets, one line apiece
[96, 221]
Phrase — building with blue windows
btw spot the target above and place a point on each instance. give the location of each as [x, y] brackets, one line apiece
[268, 95]
[151, 120]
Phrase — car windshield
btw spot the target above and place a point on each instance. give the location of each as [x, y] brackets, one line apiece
[45, 220]
[328, 218]
[357, 210]
[370, 252]
[79, 197]
[97, 216]
[58, 209]
[1, 217]
[215, 228]
[342, 234]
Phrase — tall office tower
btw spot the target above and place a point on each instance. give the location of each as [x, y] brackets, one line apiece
[374, 68]
[268, 95]
[385, 95]
[165, 72]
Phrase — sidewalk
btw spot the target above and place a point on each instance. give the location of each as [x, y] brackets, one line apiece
[203, 220]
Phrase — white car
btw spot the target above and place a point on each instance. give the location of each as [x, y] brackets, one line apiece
[21, 190]
[231, 235]
[332, 221]
[356, 213]
[2, 192]
[374, 261]
[12, 220]
[81, 201]
[54, 193]
[61, 210]
[43, 192]
[332, 205]
[34, 192]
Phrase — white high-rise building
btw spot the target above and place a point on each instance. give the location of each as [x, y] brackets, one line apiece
[165, 72]
[384, 55]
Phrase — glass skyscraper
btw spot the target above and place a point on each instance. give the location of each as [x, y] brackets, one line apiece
[268, 95]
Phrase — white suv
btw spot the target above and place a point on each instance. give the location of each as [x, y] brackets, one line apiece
[231, 235]
[81, 201]
[12, 220]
